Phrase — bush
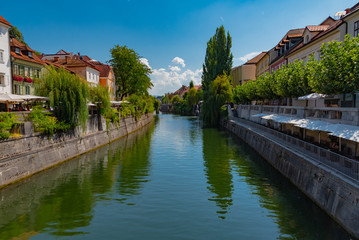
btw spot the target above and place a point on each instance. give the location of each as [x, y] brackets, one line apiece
[45, 123]
[7, 122]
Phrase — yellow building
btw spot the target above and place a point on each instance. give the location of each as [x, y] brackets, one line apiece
[313, 39]
[249, 69]
[236, 76]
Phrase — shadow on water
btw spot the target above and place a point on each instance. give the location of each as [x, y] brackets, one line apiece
[46, 202]
[218, 169]
[297, 217]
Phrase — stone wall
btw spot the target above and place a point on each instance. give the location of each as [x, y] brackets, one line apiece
[335, 193]
[21, 158]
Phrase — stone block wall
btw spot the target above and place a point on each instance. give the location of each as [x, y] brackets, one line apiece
[335, 193]
[21, 158]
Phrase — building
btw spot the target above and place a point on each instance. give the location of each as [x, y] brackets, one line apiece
[277, 55]
[107, 78]
[5, 63]
[77, 64]
[184, 89]
[313, 39]
[249, 69]
[26, 67]
[236, 76]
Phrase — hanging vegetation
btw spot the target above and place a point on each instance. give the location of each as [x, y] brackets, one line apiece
[68, 95]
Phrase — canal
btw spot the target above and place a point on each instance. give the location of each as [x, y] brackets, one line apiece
[170, 180]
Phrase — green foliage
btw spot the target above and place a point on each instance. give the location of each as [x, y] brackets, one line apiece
[175, 99]
[192, 97]
[338, 69]
[221, 93]
[132, 76]
[156, 104]
[100, 96]
[68, 95]
[218, 61]
[165, 99]
[15, 32]
[191, 85]
[7, 122]
[45, 123]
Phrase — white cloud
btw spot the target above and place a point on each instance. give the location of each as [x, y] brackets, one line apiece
[171, 79]
[245, 58]
[178, 60]
[145, 61]
[174, 68]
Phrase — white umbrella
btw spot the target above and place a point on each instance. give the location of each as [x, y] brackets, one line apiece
[312, 96]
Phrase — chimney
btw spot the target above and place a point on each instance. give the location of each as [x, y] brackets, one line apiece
[347, 10]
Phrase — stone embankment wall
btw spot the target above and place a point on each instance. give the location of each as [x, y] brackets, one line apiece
[335, 193]
[21, 158]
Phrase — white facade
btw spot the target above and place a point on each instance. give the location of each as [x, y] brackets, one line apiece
[92, 76]
[5, 64]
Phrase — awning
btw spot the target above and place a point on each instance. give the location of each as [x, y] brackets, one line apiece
[8, 97]
[259, 115]
[312, 96]
[118, 102]
[345, 131]
[279, 118]
[32, 97]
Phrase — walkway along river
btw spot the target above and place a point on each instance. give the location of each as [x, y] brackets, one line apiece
[170, 180]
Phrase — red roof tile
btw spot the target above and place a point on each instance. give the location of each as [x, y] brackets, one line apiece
[2, 20]
[317, 28]
[16, 43]
[256, 58]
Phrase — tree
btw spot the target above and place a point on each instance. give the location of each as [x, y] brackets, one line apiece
[15, 32]
[338, 70]
[221, 93]
[191, 85]
[175, 99]
[68, 95]
[218, 61]
[132, 76]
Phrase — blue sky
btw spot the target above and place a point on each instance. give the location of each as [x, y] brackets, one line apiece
[170, 35]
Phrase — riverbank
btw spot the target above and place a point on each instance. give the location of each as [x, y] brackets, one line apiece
[21, 158]
[332, 190]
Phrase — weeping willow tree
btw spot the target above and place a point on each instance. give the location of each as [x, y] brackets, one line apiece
[68, 95]
[218, 61]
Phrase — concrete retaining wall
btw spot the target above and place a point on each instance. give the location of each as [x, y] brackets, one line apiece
[24, 157]
[335, 193]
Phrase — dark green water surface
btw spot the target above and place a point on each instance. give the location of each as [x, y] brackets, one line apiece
[170, 180]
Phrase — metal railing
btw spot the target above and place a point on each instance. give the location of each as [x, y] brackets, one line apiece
[345, 165]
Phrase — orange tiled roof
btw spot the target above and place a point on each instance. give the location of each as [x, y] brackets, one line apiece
[317, 28]
[2, 20]
[256, 58]
[319, 35]
[16, 43]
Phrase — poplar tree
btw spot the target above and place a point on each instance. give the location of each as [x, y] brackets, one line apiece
[218, 61]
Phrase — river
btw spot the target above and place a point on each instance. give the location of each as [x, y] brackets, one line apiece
[170, 180]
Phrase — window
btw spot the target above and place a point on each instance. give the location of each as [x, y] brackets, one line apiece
[17, 89]
[16, 69]
[17, 50]
[27, 89]
[26, 71]
[356, 28]
[29, 54]
[1, 56]
[31, 72]
[2, 79]
[22, 70]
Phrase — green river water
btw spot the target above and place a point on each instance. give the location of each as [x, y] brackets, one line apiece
[170, 180]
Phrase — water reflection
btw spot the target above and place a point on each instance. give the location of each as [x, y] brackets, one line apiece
[218, 169]
[61, 200]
